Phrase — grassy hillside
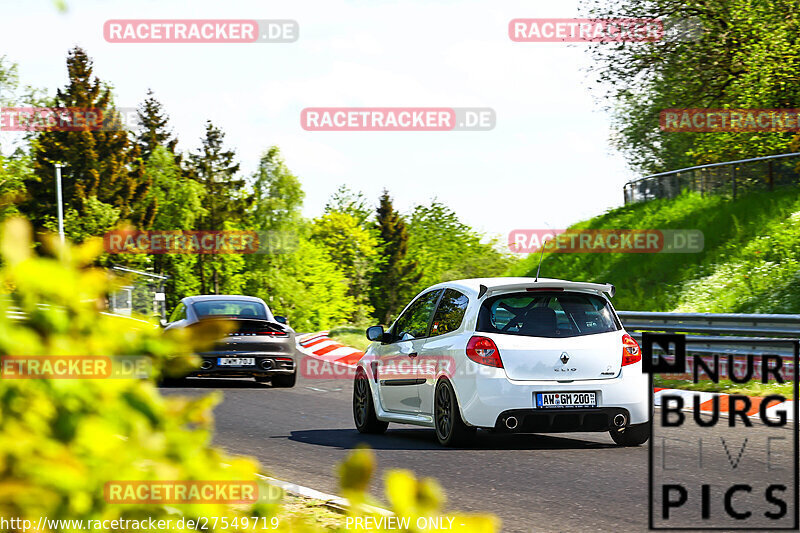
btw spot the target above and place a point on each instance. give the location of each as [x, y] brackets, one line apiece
[750, 262]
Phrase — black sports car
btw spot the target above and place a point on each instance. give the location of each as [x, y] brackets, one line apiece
[260, 345]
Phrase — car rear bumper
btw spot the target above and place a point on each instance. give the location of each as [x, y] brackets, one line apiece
[264, 366]
[562, 420]
[485, 398]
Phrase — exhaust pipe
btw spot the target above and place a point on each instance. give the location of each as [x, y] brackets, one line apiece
[511, 422]
[620, 420]
[267, 364]
[206, 364]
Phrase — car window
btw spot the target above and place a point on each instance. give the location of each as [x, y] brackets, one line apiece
[179, 313]
[547, 314]
[413, 323]
[230, 308]
[449, 313]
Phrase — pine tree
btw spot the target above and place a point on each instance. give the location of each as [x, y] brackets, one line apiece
[99, 164]
[396, 274]
[154, 124]
[225, 202]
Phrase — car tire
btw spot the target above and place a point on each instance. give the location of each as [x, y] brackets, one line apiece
[450, 428]
[262, 379]
[284, 381]
[364, 409]
[634, 435]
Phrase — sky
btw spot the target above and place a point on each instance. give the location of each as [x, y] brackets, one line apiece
[547, 163]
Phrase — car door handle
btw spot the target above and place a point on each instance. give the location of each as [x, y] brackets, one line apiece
[413, 354]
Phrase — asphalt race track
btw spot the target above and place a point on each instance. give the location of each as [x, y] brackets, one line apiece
[568, 482]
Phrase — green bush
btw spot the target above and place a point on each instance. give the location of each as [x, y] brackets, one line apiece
[61, 440]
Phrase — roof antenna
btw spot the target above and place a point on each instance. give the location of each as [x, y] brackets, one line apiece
[541, 255]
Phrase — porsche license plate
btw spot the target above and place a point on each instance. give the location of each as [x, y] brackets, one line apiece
[236, 361]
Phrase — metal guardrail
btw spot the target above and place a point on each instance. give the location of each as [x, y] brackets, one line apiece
[734, 333]
[15, 313]
[759, 325]
[727, 178]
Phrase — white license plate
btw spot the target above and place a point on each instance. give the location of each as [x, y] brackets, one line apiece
[561, 400]
[236, 361]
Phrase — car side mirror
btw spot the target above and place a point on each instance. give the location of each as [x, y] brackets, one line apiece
[376, 334]
[163, 322]
[281, 320]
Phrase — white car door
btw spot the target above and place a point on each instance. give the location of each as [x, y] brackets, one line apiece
[398, 366]
[444, 344]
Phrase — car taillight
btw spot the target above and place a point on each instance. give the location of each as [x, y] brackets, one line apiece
[630, 350]
[273, 333]
[484, 351]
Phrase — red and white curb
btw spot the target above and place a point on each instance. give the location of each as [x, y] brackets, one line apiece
[707, 403]
[318, 345]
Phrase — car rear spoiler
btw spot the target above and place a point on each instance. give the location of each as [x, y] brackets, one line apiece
[600, 288]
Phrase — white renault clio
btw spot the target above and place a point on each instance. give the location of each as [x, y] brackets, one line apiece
[507, 354]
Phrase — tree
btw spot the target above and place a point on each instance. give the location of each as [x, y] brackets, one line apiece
[728, 63]
[305, 285]
[225, 203]
[12, 94]
[352, 203]
[154, 127]
[101, 165]
[277, 193]
[397, 274]
[179, 202]
[297, 271]
[354, 250]
[450, 249]
[14, 170]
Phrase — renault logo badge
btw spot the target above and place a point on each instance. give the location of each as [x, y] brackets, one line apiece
[564, 357]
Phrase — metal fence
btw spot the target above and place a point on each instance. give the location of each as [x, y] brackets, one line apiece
[144, 296]
[733, 333]
[728, 178]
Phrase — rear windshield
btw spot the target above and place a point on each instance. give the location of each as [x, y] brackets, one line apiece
[547, 314]
[230, 308]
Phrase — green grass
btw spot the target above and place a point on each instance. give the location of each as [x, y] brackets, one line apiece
[750, 388]
[750, 262]
[348, 335]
